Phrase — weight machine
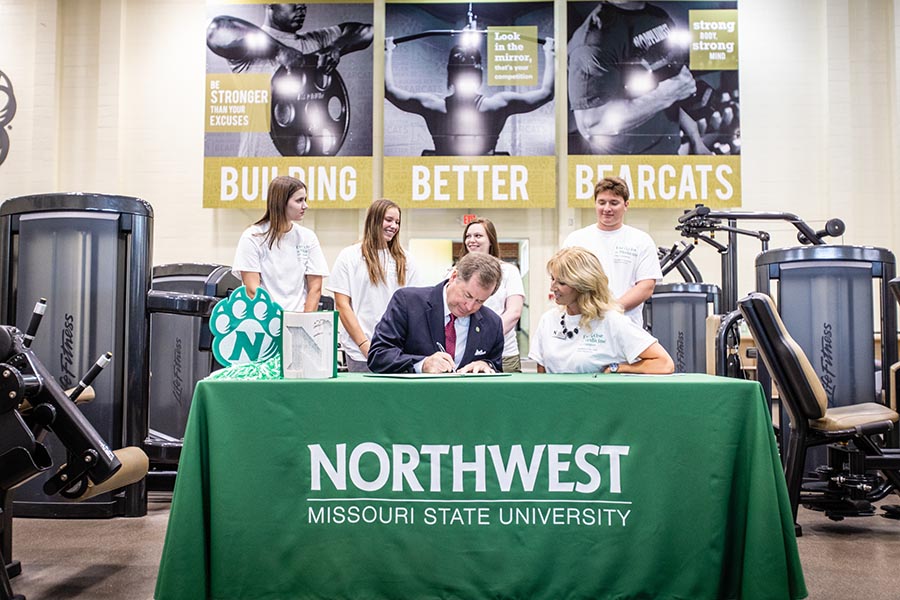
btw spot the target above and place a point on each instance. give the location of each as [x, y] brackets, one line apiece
[676, 313]
[701, 225]
[90, 255]
[827, 304]
[32, 403]
[181, 298]
[858, 470]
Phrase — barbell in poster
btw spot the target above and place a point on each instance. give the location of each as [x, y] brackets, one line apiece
[469, 107]
[289, 86]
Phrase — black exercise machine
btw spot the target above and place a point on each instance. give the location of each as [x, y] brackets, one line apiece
[676, 313]
[859, 471]
[701, 224]
[681, 308]
[181, 298]
[32, 403]
[824, 286]
[90, 256]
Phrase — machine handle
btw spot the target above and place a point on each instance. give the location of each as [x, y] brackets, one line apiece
[193, 305]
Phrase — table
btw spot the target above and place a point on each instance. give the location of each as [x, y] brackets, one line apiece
[522, 487]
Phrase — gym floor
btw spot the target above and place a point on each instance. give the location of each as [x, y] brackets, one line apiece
[117, 559]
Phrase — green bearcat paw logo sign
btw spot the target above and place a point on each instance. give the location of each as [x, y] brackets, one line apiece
[245, 330]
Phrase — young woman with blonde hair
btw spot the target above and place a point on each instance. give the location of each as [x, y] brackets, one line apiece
[588, 332]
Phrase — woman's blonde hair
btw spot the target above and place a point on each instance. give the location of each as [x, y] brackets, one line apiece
[579, 269]
[373, 243]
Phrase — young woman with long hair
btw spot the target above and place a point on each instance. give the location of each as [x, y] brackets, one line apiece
[279, 255]
[481, 236]
[365, 276]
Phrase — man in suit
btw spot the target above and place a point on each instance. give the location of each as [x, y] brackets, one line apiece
[443, 328]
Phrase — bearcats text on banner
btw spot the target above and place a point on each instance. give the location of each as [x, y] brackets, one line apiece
[660, 181]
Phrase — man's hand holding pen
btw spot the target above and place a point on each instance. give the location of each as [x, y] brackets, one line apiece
[439, 362]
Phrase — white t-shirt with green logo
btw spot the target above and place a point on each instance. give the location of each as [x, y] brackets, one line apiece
[628, 255]
[615, 339]
[510, 285]
[284, 267]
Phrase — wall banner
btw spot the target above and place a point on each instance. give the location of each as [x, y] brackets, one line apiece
[468, 105]
[654, 98]
[288, 92]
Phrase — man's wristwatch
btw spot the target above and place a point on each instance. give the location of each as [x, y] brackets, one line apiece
[614, 368]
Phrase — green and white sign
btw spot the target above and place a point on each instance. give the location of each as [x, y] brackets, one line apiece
[246, 330]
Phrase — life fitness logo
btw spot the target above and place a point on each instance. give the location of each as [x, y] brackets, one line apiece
[7, 112]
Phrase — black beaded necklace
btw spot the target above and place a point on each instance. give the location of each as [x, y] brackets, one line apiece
[565, 330]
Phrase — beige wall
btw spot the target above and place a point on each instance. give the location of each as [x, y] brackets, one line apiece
[110, 99]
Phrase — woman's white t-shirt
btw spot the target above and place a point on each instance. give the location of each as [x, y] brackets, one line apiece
[283, 267]
[369, 301]
[510, 285]
[615, 339]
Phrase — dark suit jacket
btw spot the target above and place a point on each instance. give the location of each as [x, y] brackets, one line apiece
[413, 324]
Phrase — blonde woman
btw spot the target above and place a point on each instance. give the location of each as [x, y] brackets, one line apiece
[481, 236]
[365, 276]
[279, 255]
[588, 333]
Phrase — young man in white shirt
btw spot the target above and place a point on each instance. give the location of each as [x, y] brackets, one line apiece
[628, 255]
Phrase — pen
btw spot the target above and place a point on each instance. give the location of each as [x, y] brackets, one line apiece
[444, 350]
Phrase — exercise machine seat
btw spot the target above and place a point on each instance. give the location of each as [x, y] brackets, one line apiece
[804, 398]
[798, 384]
[848, 417]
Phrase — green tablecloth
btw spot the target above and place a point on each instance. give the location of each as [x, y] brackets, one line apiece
[389, 489]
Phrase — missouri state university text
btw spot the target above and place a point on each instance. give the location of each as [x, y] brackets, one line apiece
[479, 516]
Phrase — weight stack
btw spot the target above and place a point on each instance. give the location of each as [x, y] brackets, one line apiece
[676, 316]
[827, 297]
[181, 300]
